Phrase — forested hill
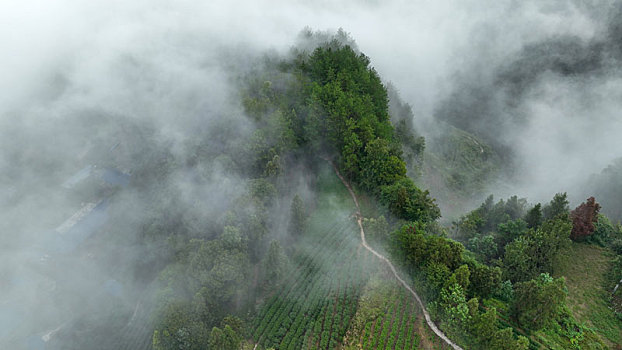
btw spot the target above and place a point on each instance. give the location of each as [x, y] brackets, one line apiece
[246, 238]
[323, 104]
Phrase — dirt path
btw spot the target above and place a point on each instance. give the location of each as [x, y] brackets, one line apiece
[359, 220]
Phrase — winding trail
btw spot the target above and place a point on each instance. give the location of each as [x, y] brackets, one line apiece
[359, 220]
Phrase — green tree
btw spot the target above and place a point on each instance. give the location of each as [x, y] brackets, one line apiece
[485, 280]
[557, 208]
[454, 306]
[381, 165]
[349, 107]
[232, 239]
[216, 271]
[460, 277]
[298, 217]
[534, 216]
[504, 340]
[509, 231]
[437, 275]
[262, 191]
[224, 339]
[548, 242]
[484, 246]
[484, 326]
[377, 227]
[408, 202]
[421, 249]
[234, 322]
[604, 232]
[274, 265]
[180, 328]
[539, 302]
[515, 207]
[517, 262]
[537, 251]
[470, 225]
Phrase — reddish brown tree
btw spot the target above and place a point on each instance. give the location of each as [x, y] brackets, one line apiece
[583, 218]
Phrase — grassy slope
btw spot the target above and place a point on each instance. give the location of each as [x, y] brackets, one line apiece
[457, 168]
[587, 298]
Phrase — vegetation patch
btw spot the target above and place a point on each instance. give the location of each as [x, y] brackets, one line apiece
[588, 297]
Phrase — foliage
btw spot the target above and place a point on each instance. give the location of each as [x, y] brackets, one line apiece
[274, 265]
[501, 212]
[484, 246]
[504, 340]
[509, 231]
[298, 217]
[407, 201]
[470, 225]
[263, 191]
[557, 208]
[488, 218]
[225, 339]
[537, 251]
[583, 218]
[506, 291]
[402, 117]
[534, 216]
[453, 304]
[376, 227]
[485, 281]
[420, 249]
[539, 302]
[356, 128]
[517, 262]
[180, 329]
[485, 325]
[381, 165]
[616, 246]
[590, 277]
[605, 233]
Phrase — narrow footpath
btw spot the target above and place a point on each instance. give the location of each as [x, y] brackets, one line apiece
[359, 220]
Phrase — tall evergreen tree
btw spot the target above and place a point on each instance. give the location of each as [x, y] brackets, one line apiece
[558, 207]
[298, 217]
[534, 216]
[274, 264]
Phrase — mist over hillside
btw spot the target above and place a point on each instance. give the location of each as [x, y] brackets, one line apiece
[137, 139]
[502, 71]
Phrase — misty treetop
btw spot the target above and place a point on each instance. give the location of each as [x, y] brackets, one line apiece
[340, 108]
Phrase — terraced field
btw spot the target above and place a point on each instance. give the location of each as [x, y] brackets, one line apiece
[137, 334]
[386, 320]
[314, 308]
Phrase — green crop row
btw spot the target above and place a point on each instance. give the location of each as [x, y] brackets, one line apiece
[319, 299]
